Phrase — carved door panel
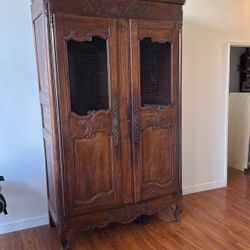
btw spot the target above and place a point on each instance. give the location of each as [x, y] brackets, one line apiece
[89, 113]
[155, 86]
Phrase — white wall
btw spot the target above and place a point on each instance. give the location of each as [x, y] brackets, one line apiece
[239, 130]
[21, 149]
[208, 26]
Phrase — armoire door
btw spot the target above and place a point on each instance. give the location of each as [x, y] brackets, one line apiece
[155, 86]
[89, 113]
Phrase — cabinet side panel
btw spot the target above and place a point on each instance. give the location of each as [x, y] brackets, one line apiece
[43, 67]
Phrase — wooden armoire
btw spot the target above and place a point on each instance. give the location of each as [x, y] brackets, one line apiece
[110, 90]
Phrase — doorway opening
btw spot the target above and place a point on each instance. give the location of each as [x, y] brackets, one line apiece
[239, 107]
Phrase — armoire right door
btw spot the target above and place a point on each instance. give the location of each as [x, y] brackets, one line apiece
[155, 107]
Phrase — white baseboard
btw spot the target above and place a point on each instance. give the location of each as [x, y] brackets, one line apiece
[204, 187]
[23, 224]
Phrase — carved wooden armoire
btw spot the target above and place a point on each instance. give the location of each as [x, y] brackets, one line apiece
[110, 90]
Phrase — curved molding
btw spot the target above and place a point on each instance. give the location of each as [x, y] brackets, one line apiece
[159, 185]
[95, 197]
[85, 37]
[160, 35]
[157, 39]
[128, 214]
[90, 114]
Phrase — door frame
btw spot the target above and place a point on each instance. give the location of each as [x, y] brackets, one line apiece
[227, 50]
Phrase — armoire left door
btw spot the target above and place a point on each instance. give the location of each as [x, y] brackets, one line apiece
[89, 113]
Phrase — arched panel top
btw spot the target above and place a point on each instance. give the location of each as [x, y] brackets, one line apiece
[162, 32]
[156, 75]
[88, 74]
[86, 36]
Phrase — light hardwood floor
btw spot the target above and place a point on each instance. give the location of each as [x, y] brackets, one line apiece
[218, 219]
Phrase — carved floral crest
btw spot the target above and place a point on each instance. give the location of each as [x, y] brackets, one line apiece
[120, 9]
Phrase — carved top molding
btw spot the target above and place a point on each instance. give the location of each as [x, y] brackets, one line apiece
[128, 9]
[153, 1]
[166, 1]
[120, 9]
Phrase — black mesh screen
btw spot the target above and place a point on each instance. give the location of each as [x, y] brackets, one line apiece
[155, 73]
[88, 75]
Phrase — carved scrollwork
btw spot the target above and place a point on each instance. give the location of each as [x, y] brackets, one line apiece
[115, 122]
[83, 37]
[88, 126]
[156, 39]
[121, 9]
[160, 34]
[157, 120]
[128, 214]
[91, 125]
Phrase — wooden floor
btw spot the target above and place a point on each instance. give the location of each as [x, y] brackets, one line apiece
[218, 219]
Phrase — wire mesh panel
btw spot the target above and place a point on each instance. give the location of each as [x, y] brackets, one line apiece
[88, 75]
[155, 73]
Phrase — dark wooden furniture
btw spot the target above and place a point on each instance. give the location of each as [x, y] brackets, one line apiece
[3, 203]
[244, 69]
[110, 90]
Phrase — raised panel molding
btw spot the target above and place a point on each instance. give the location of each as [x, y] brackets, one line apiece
[157, 171]
[94, 180]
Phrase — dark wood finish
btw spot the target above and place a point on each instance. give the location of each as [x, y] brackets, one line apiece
[223, 225]
[156, 130]
[169, 10]
[91, 155]
[125, 111]
[117, 164]
[244, 69]
[48, 104]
